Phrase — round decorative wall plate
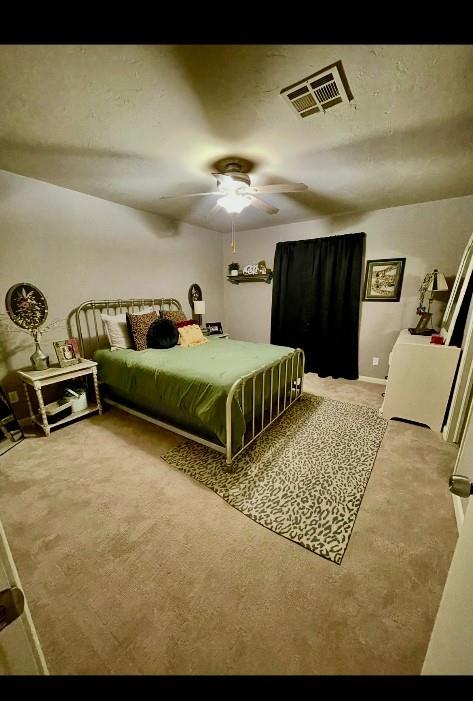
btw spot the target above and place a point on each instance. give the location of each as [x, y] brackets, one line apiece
[26, 305]
[195, 294]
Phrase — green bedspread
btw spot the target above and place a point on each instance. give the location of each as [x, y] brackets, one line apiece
[188, 387]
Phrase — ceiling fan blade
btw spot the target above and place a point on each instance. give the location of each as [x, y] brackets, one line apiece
[213, 211]
[264, 206]
[192, 194]
[281, 187]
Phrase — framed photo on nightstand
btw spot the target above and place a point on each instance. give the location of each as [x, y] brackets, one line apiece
[214, 327]
[66, 352]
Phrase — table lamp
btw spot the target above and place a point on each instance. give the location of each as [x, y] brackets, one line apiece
[199, 310]
[433, 282]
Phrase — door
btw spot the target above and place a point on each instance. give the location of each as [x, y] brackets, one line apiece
[20, 650]
[450, 648]
[464, 464]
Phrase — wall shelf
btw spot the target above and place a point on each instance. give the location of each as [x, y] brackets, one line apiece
[236, 279]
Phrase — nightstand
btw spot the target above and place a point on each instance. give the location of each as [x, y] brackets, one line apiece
[420, 379]
[215, 336]
[40, 378]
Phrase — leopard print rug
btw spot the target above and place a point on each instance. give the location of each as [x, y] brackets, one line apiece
[303, 478]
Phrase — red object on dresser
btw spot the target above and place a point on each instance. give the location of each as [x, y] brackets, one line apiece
[439, 340]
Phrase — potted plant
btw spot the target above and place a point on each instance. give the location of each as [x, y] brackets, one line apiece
[233, 269]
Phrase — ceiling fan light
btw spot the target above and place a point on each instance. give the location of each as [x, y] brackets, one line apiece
[233, 203]
[229, 185]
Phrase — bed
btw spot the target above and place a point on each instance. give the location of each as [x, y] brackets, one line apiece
[222, 394]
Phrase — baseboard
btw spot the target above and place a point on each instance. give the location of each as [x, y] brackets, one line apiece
[376, 380]
[459, 513]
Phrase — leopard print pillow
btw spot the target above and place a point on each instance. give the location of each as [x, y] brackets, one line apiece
[138, 325]
[174, 315]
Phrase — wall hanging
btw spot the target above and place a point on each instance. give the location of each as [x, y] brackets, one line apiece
[383, 280]
[27, 308]
[196, 302]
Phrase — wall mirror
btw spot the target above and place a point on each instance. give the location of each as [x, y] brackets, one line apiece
[459, 292]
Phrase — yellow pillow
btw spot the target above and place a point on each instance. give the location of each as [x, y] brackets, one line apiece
[191, 335]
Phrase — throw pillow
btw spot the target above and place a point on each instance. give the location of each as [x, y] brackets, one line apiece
[173, 314]
[117, 331]
[161, 334]
[187, 322]
[192, 335]
[138, 325]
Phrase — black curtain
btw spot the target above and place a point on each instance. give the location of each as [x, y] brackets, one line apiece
[316, 302]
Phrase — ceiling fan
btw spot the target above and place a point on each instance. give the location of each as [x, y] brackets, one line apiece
[235, 190]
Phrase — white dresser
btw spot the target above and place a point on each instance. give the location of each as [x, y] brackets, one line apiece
[420, 379]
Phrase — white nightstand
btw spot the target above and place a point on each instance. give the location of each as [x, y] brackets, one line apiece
[40, 378]
[420, 379]
[215, 336]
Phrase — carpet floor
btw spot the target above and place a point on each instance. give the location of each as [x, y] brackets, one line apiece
[304, 478]
[132, 567]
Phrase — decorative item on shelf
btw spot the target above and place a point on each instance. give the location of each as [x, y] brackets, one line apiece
[58, 410]
[27, 309]
[214, 327]
[383, 280]
[433, 282]
[254, 272]
[233, 269]
[66, 353]
[76, 393]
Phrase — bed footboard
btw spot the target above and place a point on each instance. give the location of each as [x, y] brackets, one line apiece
[286, 377]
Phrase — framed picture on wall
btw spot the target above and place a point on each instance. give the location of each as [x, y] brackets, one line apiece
[383, 280]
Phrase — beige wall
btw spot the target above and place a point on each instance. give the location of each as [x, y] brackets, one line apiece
[76, 247]
[429, 235]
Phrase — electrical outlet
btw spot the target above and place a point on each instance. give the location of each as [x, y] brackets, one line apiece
[375, 361]
[13, 397]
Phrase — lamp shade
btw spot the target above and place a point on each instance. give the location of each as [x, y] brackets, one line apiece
[437, 282]
[199, 307]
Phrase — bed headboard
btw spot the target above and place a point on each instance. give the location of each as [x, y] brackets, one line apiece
[90, 327]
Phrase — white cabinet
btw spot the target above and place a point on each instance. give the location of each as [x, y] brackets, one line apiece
[420, 380]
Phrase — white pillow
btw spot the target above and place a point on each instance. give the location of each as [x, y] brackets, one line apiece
[116, 329]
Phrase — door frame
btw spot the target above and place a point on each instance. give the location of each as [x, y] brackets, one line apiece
[13, 577]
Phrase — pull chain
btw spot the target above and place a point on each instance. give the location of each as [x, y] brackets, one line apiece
[233, 244]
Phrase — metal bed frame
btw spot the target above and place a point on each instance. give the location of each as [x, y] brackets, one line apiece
[289, 369]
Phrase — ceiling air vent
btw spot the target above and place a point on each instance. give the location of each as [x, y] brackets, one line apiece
[319, 92]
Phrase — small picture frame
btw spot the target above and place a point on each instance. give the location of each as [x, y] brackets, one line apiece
[214, 327]
[383, 280]
[66, 352]
[75, 344]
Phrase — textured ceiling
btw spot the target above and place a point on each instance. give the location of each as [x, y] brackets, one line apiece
[132, 123]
